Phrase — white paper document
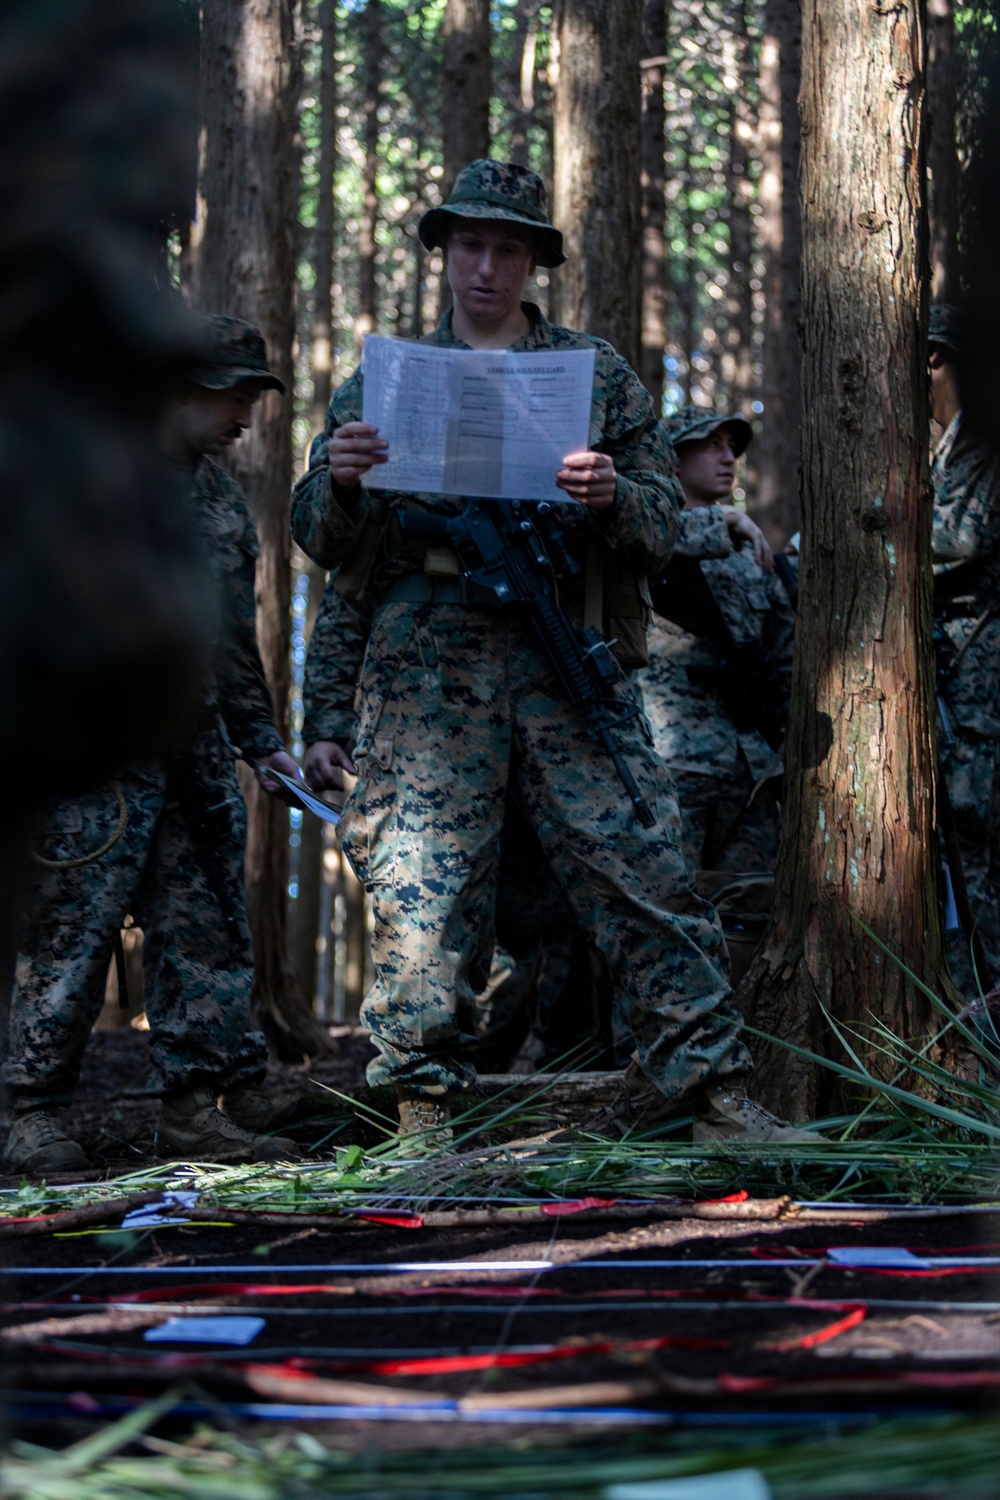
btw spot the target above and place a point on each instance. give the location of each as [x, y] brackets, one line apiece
[486, 423]
[306, 797]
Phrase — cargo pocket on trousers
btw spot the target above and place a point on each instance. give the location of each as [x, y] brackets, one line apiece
[368, 829]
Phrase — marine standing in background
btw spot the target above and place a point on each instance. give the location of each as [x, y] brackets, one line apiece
[458, 700]
[164, 842]
[965, 544]
[720, 656]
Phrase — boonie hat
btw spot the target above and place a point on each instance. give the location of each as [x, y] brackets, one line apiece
[691, 423]
[488, 189]
[946, 326]
[232, 351]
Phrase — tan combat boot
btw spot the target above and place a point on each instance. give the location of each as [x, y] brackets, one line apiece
[38, 1143]
[193, 1126]
[425, 1122]
[250, 1107]
[727, 1113]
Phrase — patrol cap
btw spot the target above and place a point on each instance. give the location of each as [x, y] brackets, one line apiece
[499, 190]
[232, 351]
[945, 328]
[691, 423]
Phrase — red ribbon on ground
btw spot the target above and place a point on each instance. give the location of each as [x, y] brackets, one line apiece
[822, 1335]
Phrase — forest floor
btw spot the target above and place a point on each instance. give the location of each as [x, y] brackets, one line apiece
[598, 1335]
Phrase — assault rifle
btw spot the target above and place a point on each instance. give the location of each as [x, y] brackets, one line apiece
[746, 678]
[509, 553]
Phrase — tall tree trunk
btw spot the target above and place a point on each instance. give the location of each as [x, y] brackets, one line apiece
[323, 236]
[598, 201]
[654, 205]
[367, 230]
[244, 265]
[942, 152]
[778, 448]
[526, 20]
[466, 83]
[737, 365]
[859, 841]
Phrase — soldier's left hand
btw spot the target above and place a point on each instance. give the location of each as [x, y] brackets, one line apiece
[281, 761]
[589, 478]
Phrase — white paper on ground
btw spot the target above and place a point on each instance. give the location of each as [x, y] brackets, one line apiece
[205, 1331]
[152, 1214]
[305, 797]
[490, 423]
[892, 1256]
[734, 1484]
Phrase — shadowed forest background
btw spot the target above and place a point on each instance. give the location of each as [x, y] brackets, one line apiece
[670, 136]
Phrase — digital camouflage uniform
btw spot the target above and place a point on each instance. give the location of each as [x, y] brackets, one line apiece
[533, 956]
[715, 767]
[456, 702]
[966, 551]
[198, 975]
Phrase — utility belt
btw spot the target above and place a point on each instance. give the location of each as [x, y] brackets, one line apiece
[428, 588]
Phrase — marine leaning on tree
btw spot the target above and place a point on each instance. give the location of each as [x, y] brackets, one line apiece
[165, 843]
[449, 691]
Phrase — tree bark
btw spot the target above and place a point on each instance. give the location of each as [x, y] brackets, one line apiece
[942, 151]
[737, 362]
[654, 205]
[778, 447]
[368, 228]
[323, 238]
[466, 83]
[598, 201]
[244, 265]
[859, 842]
[526, 18]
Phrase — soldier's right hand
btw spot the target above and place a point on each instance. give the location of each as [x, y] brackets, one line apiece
[323, 765]
[353, 449]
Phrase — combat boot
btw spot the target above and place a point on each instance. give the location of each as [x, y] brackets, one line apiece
[425, 1122]
[250, 1107]
[193, 1126]
[639, 1109]
[37, 1143]
[726, 1113]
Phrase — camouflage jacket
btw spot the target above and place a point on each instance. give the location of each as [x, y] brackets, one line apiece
[238, 691]
[692, 729]
[333, 668]
[329, 523]
[966, 551]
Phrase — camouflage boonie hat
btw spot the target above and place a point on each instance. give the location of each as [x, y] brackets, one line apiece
[946, 327]
[488, 189]
[691, 423]
[232, 351]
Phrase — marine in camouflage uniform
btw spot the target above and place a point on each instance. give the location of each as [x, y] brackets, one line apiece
[730, 818]
[457, 702]
[965, 475]
[182, 883]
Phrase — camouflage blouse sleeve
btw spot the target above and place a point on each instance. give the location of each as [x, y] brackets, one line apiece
[966, 494]
[326, 518]
[333, 666]
[243, 695]
[644, 519]
[703, 533]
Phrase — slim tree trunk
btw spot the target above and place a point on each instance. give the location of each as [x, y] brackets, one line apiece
[367, 231]
[737, 364]
[526, 18]
[942, 152]
[598, 200]
[859, 840]
[778, 447]
[244, 265]
[466, 82]
[323, 238]
[654, 205]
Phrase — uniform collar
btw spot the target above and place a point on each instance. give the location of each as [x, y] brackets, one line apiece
[538, 335]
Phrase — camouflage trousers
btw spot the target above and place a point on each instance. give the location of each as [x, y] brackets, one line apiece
[970, 768]
[721, 828]
[454, 704]
[197, 978]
